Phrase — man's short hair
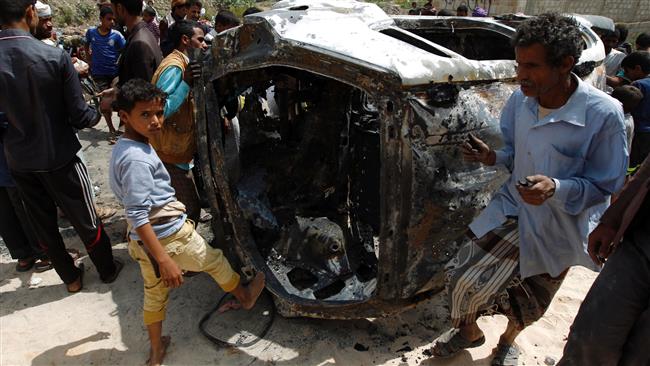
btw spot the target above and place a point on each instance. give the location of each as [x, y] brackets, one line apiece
[195, 3]
[13, 10]
[641, 58]
[227, 18]
[559, 35]
[462, 7]
[629, 96]
[180, 28]
[251, 10]
[622, 32]
[148, 10]
[133, 7]
[608, 33]
[134, 91]
[104, 11]
[179, 4]
[643, 41]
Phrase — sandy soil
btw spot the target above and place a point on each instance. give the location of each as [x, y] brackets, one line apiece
[40, 324]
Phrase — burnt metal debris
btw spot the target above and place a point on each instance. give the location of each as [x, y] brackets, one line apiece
[353, 194]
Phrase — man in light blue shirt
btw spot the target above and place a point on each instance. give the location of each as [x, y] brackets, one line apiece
[565, 147]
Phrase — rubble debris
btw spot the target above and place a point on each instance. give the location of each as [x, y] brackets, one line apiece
[548, 360]
[360, 347]
[404, 349]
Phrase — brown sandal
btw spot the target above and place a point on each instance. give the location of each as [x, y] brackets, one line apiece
[82, 270]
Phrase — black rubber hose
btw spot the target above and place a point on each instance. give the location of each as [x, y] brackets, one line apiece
[221, 342]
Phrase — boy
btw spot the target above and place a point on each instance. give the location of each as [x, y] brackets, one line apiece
[161, 240]
[103, 46]
[630, 97]
[149, 18]
[637, 68]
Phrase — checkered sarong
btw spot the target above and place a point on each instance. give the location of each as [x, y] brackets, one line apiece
[483, 279]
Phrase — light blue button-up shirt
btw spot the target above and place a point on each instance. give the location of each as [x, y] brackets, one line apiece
[582, 146]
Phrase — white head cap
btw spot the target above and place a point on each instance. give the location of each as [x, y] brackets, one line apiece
[43, 10]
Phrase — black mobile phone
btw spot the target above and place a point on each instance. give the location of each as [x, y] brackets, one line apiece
[524, 182]
[472, 142]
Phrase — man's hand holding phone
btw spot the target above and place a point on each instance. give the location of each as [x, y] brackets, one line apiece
[475, 150]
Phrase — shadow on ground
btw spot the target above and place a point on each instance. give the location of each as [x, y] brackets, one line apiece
[297, 341]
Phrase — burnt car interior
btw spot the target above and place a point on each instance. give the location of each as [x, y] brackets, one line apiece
[309, 181]
[472, 41]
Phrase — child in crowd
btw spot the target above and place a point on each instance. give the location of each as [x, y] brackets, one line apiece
[630, 97]
[150, 21]
[161, 239]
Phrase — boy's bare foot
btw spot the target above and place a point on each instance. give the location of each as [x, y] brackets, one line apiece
[156, 357]
[245, 296]
[229, 305]
[252, 291]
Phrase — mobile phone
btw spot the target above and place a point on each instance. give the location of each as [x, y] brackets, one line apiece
[524, 182]
[471, 140]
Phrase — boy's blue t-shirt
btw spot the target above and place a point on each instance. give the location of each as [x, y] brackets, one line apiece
[140, 182]
[105, 51]
[641, 113]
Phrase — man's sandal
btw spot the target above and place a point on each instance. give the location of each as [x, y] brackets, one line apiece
[118, 268]
[455, 344]
[42, 265]
[82, 270]
[505, 355]
[25, 265]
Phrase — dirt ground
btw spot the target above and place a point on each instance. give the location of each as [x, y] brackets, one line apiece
[41, 324]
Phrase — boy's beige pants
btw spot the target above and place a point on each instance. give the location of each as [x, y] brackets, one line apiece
[191, 252]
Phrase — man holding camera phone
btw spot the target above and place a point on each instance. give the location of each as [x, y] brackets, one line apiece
[565, 146]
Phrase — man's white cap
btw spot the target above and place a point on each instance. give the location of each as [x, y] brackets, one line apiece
[43, 10]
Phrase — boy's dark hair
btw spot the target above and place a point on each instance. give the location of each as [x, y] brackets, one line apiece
[180, 28]
[462, 7]
[629, 96]
[251, 10]
[134, 91]
[148, 10]
[133, 7]
[104, 11]
[226, 17]
[445, 13]
[559, 35]
[195, 3]
[608, 33]
[643, 41]
[13, 10]
[641, 58]
[622, 32]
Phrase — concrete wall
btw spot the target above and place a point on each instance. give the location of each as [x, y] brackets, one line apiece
[633, 13]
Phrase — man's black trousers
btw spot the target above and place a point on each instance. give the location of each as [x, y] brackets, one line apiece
[613, 324]
[68, 188]
[15, 228]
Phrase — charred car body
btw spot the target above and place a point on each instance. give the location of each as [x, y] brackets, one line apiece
[351, 194]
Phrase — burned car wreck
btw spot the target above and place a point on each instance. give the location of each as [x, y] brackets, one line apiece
[349, 191]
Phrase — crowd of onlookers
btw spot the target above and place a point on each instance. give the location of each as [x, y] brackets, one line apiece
[627, 80]
[462, 10]
[566, 145]
[140, 65]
